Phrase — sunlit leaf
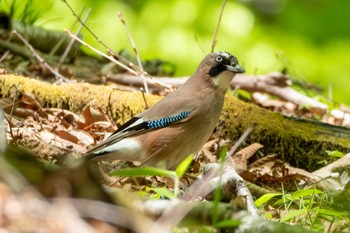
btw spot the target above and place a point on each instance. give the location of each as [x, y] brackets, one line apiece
[306, 192]
[334, 213]
[162, 192]
[265, 198]
[143, 171]
[335, 153]
[292, 214]
[183, 166]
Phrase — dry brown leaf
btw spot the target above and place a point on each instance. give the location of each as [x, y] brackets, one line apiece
[58, 142]
[241, 157]
[83, 137]
[272, 172]
[90, 116]
[31, 103]
[23, 113]
[263, 161]
[68, 116]
[206, 154]
[67, 136]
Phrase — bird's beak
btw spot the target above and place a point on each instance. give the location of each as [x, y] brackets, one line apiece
[235, 68]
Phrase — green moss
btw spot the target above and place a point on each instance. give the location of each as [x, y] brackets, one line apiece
[119, 105]
[300, 142]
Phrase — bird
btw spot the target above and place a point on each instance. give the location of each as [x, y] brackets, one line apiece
[179, 124]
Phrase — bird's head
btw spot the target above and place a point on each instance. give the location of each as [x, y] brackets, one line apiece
[222, 61]
[219, 68]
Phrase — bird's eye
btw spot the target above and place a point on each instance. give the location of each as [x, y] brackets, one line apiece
[219, 59]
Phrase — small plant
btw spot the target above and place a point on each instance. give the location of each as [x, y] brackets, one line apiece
[311, 208]
[152, 171]
[335, 153]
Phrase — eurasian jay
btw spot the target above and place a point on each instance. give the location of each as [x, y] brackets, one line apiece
[179, 124]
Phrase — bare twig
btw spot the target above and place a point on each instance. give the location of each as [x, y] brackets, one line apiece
[230, 181]
[3, 141]
[110, 51]
[87, 14]
[217, 26]
[62, 40]
[40, 59]
[201, 46]
[4, 55]
[240, 141]
[142, 74]
[144, 98]
[86, 27]
[9, 120]
[271, 83]
[151, 80]
[127, 79]
[109, 57]
[130, 66]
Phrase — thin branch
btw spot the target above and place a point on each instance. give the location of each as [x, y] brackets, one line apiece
[240, 141]
[130, 65]
[9, 120]
[109, 57]
[275, 83]
[217, 26]
[40, 59]
[3, 140]
[112, 59]
[87, 14]
[62, 40]
[110, 51]
[233, 185]
[86, 27]
[3, 57]
[120, 15]
[144, 98]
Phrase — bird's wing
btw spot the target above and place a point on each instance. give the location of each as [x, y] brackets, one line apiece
[137, 125]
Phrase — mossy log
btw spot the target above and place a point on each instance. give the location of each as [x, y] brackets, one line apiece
[300, 142]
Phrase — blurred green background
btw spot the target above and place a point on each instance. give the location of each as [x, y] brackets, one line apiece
[309, 37]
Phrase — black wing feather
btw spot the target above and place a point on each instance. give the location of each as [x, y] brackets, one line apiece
[127, 130]
[125, 125]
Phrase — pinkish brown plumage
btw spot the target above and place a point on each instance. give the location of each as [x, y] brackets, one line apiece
[179, 124]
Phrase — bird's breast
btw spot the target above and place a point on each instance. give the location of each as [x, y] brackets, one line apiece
[167, 147]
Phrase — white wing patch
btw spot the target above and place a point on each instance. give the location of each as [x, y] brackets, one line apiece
[124, 145]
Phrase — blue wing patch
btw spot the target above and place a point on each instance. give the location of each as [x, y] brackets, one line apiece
[160, 123]
[128, 129]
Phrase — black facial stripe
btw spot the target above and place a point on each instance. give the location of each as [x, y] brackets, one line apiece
[214, 71]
